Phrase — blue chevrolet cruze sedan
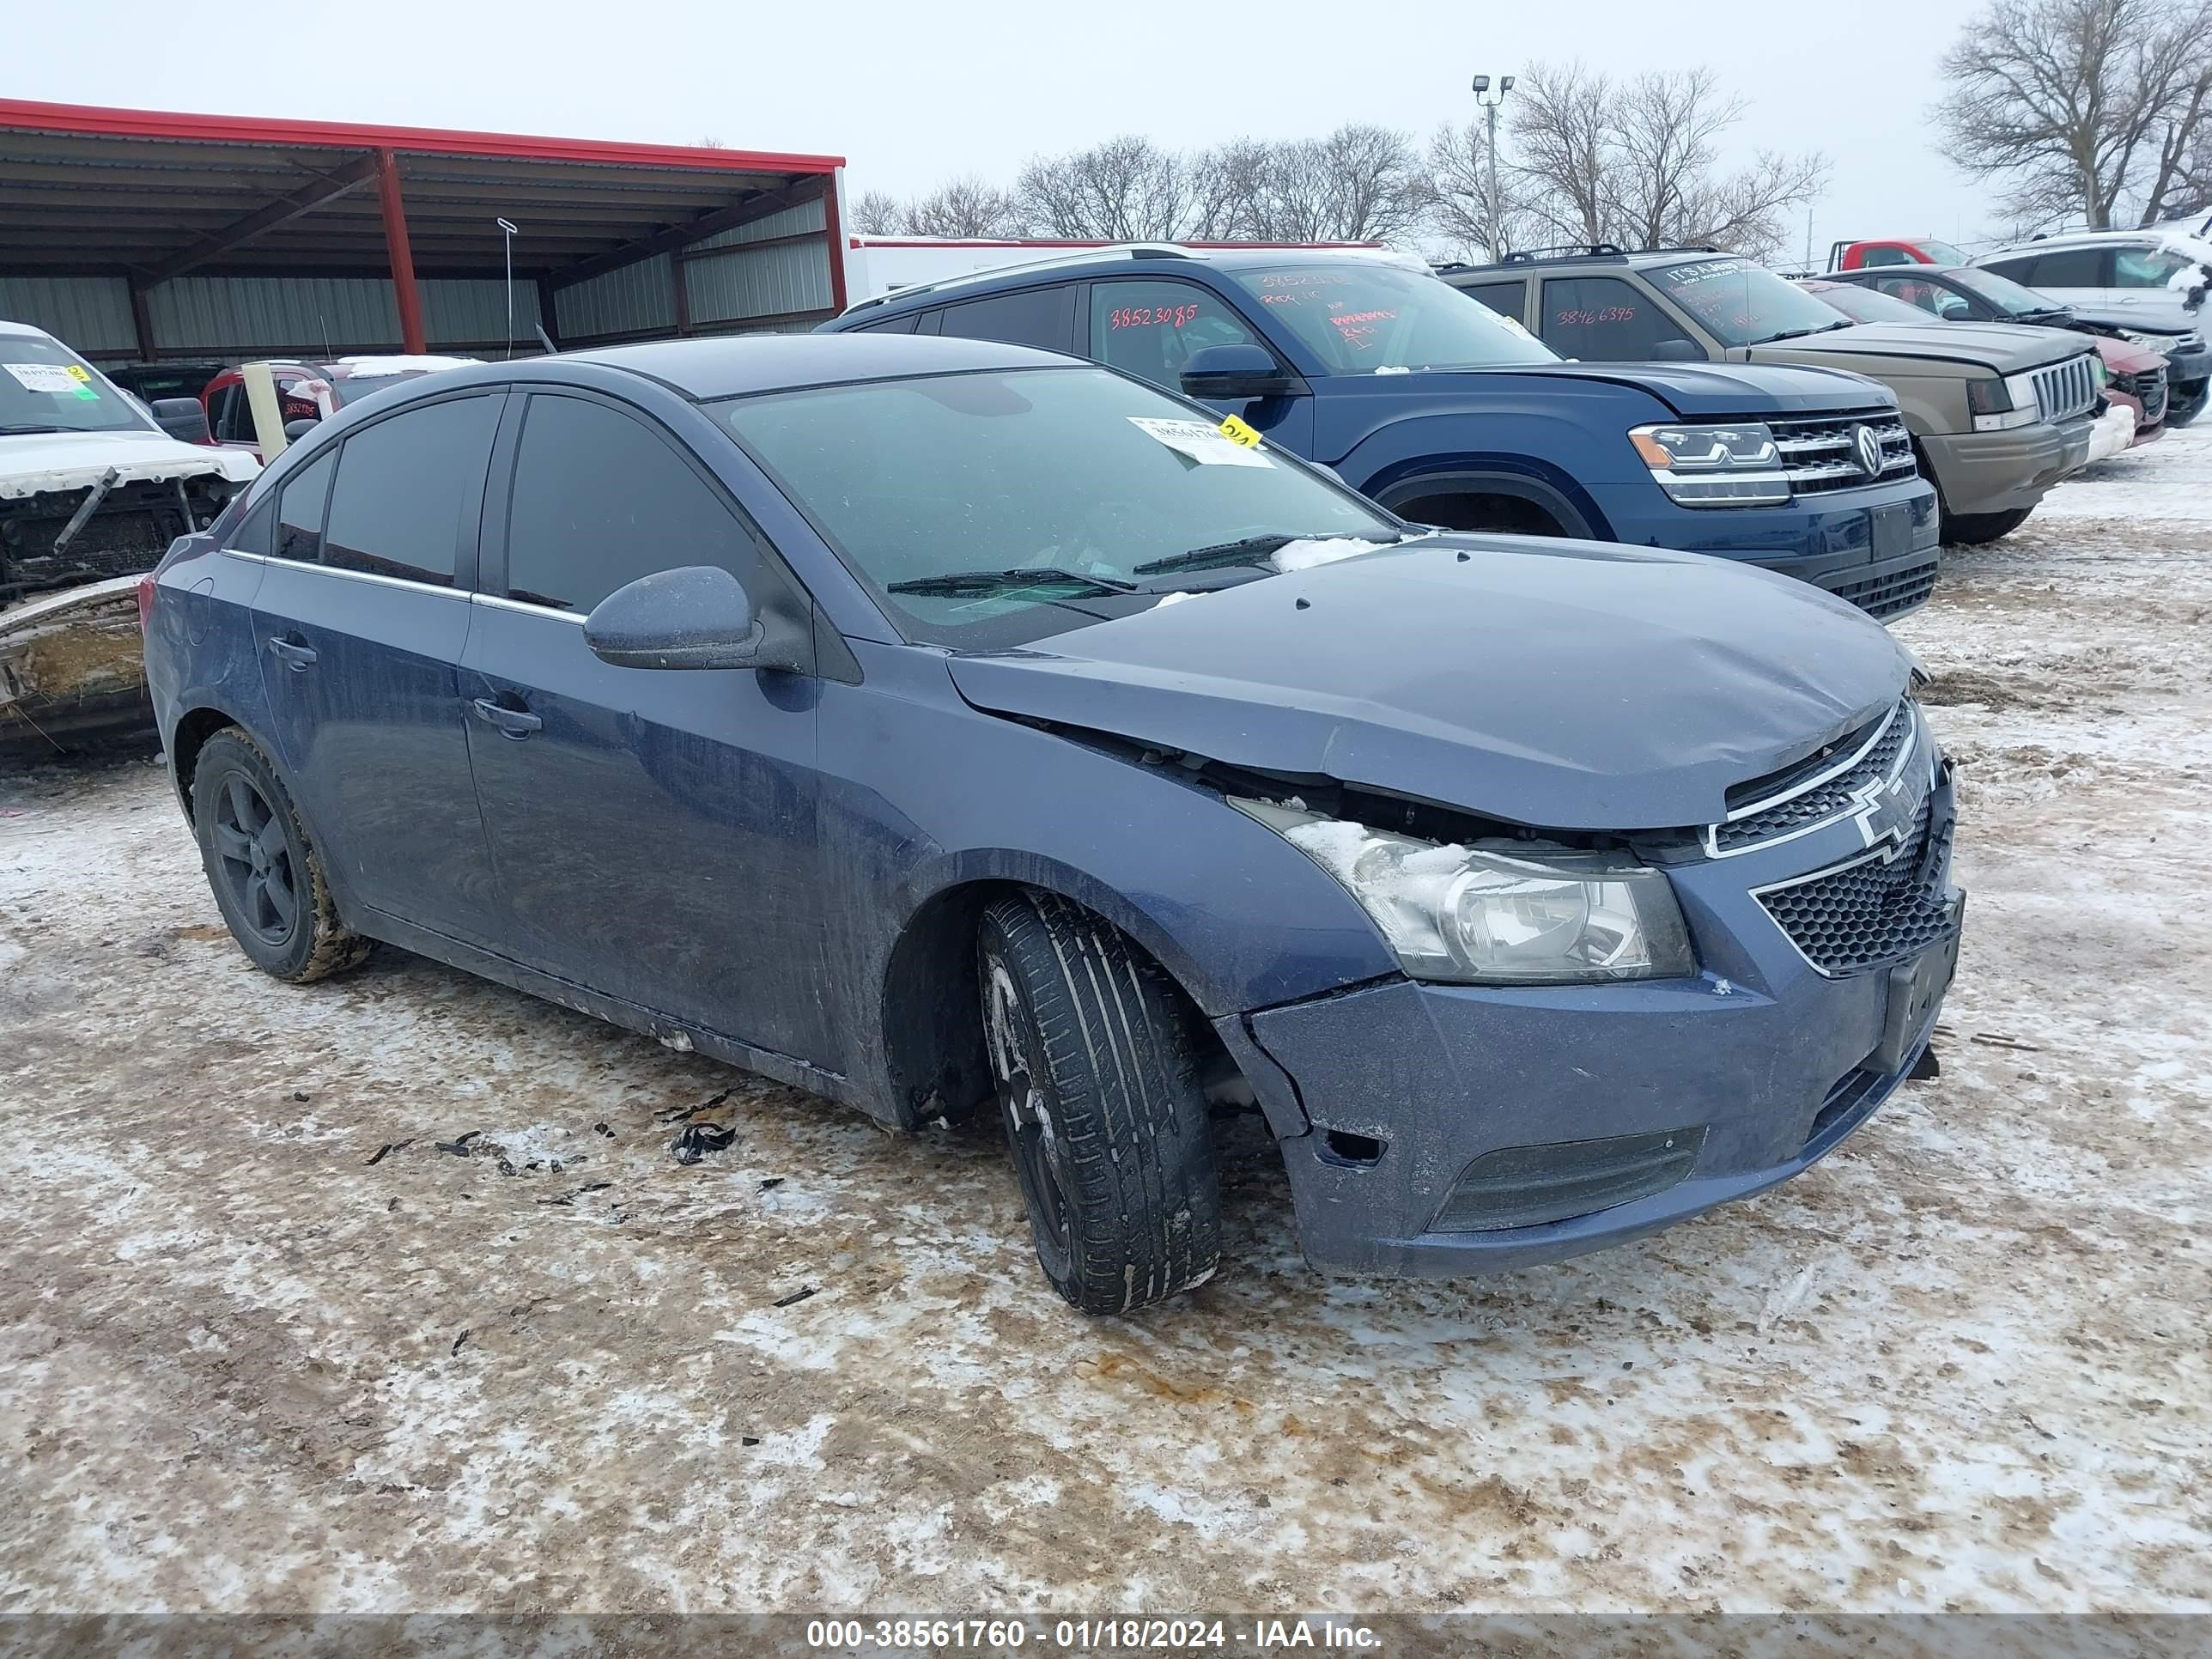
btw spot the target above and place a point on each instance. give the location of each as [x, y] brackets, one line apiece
[940, 726]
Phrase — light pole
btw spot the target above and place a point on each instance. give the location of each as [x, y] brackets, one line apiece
[1490, 108]
[510, 232]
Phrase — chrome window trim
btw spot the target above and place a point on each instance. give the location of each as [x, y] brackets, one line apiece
[401, 582]
[528, 608]
[1905, 751]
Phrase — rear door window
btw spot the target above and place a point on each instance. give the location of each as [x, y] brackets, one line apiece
[1149, 329]
[2146, 267]
[2072, 267]
[600, 499]
[1041, 317]
[1506, 299]
[1602, 319]
[402, 488]
[300, 509]
[891, 325]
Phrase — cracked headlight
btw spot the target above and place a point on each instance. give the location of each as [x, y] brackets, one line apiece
[1481, 918]
[1714, 465]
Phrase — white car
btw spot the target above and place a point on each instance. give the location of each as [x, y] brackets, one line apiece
[92, 493]
[2155, 278]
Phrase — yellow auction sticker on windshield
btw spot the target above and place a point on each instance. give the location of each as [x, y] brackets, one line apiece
[78, 371]
[1239, 433]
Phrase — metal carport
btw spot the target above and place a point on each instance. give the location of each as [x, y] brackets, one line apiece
[138, 235]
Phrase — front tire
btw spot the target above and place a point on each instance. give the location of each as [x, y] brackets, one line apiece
[1099, 1087]
[1974, 529]
[262, 867]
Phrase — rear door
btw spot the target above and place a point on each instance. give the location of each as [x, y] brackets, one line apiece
[360, 623]
[654, 831]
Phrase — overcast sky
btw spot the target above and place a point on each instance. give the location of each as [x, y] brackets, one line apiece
[912, 94]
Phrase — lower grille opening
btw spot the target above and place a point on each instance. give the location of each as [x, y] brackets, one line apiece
[1845, 1108]
[1886, 596]
[1527, 1186]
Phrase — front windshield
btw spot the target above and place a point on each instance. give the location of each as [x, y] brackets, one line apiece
[1076, 473]
[1363, 317]
[1866, 305]
[1943, 253]
[46, 388]
[1742, 304]
[2013, 299]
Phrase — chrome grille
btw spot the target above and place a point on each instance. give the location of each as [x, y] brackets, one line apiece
[1811, 793]
[1820, 453]
[2066, 390]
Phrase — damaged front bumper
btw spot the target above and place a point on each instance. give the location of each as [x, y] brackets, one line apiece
[1456, 1129]
[72, 670]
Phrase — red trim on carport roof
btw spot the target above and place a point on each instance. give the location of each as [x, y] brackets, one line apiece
[860, 239]
[25, 114]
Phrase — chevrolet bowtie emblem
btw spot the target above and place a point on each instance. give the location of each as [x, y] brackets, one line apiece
[1885, 809]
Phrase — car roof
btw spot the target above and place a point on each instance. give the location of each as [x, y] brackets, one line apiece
[2071, 239]
[1647, 258]
[23, 329]
[732, 366]
[1146, 258]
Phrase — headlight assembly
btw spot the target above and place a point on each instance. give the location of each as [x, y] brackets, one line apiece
[1714, 465]
[1476, 917]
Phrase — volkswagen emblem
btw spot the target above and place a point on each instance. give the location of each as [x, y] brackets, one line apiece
[1869, 448]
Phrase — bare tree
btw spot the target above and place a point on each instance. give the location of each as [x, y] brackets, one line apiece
[2085, 108]
[1126, 190]
[876, 213]
[1461, 208]
[1638, 162]
[1562, 128]
[965, 207]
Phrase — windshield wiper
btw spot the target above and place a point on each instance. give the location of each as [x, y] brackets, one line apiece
[1001, 581]
[1247, 550]
[1799, 333]
[27, 431]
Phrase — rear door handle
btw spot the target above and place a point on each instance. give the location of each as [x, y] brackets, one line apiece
[511, 722]
[298, 657]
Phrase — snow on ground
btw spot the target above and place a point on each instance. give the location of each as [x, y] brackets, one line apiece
[265, 1344]
[2168, 479]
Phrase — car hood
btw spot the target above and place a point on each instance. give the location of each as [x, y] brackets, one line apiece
[1559, 684]
[32, 462]
[1732, 390]
[2123, 358]
[2008, 348]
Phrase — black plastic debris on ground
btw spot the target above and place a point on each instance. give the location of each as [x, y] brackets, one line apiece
[694, 1140]
[387, 1149]
[683, 1112]
[794, 1297]
[771, 1183]
[459, 1145]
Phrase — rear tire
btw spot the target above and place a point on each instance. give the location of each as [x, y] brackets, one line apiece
[1974, 529]
[1099, 1087]
[262, 867]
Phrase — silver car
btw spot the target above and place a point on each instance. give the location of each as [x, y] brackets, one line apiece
[2156, 276]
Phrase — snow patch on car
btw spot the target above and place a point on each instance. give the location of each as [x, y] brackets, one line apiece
[1306, 554]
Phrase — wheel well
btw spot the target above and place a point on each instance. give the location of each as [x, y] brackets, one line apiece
[1479, 509]
[932, 1007]
[191, 735]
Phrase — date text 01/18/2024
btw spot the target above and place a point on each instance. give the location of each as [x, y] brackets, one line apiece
[1124, 1634]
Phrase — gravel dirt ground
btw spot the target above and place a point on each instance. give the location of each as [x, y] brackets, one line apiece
[265, 1344]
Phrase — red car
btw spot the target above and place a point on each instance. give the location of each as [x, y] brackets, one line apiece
[307, 391]
[1894, 250]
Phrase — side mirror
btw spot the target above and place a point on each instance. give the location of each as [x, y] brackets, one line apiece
[698, 616]
[1228, 373]
[295, 430]
[1676, 351]
[183, 418]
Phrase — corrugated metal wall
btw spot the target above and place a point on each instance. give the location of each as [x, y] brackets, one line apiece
[92, 314]
[629, 301]
[763, 281]
[243, 316]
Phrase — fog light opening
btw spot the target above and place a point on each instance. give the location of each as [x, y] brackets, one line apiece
[1345, 1147]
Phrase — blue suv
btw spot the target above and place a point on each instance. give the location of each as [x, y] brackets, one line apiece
[1448, 414]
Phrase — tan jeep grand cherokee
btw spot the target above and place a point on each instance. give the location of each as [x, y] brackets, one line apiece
[1998, 413]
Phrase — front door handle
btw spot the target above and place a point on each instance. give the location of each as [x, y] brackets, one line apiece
[511, 722]
[296, 657]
